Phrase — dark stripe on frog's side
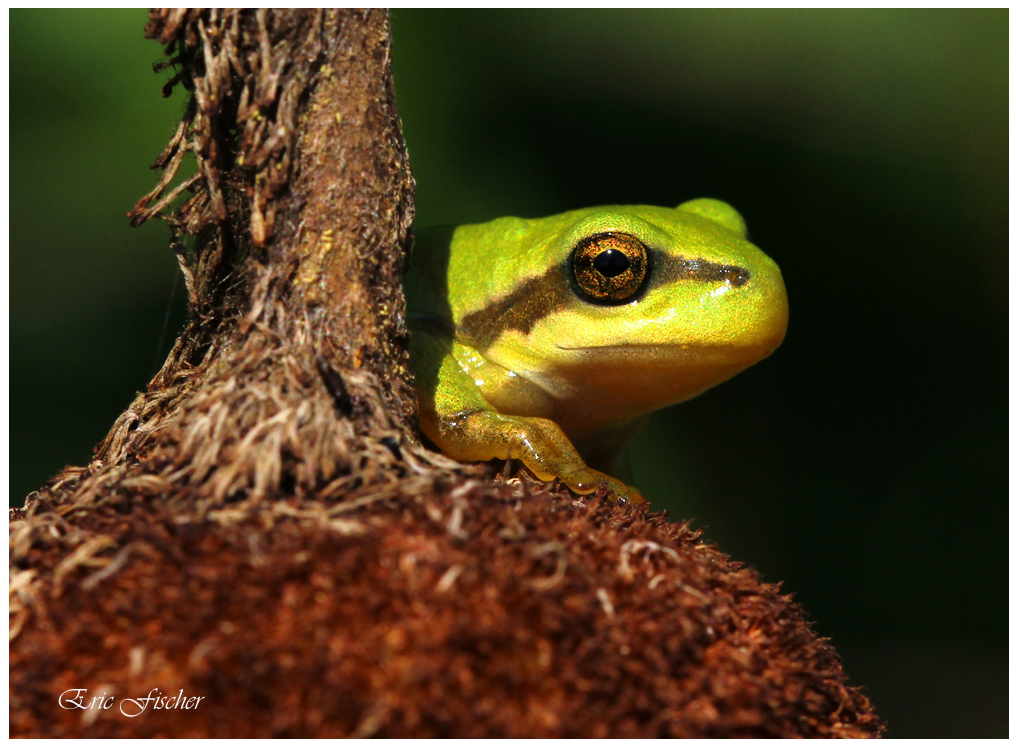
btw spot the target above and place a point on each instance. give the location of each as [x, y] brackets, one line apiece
[519, 310]
[552, 291]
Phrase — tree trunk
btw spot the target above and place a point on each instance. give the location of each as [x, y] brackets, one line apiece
[262, 531]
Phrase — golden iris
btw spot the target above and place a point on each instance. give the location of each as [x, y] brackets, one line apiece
[609, 268]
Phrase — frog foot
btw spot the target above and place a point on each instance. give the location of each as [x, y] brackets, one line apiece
[585, 481]
[538, 443]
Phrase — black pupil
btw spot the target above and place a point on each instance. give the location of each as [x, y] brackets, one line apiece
[611, 263]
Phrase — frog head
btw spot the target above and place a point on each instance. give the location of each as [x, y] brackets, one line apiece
[620, 310]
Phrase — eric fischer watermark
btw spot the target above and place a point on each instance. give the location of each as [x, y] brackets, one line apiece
[79, 699]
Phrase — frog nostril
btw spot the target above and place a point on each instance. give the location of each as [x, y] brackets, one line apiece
[736, 276]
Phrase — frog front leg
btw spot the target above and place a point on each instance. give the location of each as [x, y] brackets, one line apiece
[455, 415]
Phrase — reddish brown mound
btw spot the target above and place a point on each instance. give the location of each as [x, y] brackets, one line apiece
[480, 612]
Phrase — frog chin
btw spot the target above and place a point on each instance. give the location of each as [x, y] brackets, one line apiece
[605, 386]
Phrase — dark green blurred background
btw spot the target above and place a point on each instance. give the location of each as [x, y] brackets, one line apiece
[864, 464]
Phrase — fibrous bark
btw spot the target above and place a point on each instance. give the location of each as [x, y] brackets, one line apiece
[262, 527]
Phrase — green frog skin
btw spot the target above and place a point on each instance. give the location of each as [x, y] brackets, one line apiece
[550, 341]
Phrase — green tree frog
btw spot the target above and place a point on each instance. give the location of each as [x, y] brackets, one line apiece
[550, 341]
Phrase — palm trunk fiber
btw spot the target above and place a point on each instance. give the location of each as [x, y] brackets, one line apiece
[263, 532]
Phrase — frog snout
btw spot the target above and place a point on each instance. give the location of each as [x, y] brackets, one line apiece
[773, 311]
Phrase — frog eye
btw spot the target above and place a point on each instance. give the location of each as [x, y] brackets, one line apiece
[609, 268]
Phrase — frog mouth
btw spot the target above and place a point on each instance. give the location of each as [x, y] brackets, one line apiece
[672, 353]
[653, 347]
